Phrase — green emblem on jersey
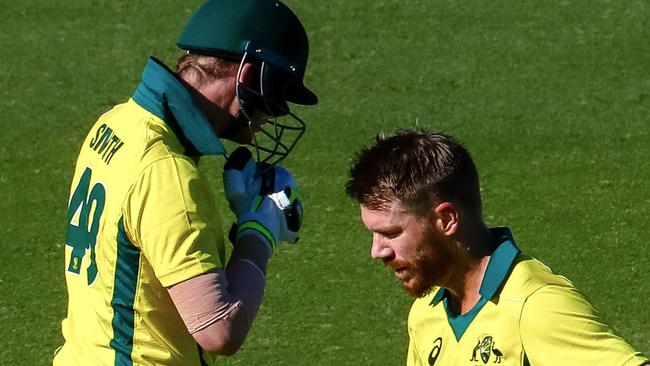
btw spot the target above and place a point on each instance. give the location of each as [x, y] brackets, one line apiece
[84, 211]
[485, 348]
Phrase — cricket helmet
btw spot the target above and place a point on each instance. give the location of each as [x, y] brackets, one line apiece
[269, 33]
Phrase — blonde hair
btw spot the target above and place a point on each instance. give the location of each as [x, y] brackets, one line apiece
[199, 69]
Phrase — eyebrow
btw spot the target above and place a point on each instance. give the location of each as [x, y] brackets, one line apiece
[386, 229]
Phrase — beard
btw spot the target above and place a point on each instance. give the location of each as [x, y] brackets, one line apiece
[428, 268]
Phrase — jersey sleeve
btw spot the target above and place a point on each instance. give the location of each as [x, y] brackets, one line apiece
[412, 357]
[413, 353]
[170, 214]
[560, 327]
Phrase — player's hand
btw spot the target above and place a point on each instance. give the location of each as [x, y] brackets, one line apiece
[241, 180]
[264, 198]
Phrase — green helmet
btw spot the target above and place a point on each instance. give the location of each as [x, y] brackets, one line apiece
[264, 29]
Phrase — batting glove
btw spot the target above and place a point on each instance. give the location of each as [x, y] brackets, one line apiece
[264, 198]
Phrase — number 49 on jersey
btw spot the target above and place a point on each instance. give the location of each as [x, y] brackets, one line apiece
[84, 213]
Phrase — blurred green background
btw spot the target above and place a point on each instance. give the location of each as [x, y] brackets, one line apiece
[552, 98]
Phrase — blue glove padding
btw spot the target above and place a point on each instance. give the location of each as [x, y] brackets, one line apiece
[264, 198]
[241, 180]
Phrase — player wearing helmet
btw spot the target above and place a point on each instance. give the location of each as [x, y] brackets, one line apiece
[145, 266]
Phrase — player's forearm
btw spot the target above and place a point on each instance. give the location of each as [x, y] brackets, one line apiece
[225, 336]
[219, 307]
[246, 273]
[251, 247]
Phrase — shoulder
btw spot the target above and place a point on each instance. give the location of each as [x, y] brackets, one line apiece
[555, 315]
[142, 137]
[549, 298]
[425, 302]
[166, 179]
[529, 275]
[424, 309]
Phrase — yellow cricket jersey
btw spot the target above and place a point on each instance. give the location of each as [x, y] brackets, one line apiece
[141, 218]
[526, 316]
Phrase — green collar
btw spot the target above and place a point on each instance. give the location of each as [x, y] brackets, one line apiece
[164, 95]
[496, 273]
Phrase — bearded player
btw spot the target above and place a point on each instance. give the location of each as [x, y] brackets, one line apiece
[478, 299]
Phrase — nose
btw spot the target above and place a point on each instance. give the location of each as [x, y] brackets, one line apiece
[380, 249]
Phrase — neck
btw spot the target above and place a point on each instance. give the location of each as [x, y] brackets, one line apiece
[214, 98]
[473, 255]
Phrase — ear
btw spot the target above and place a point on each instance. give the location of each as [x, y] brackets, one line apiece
[446, 219]
[249, 75]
